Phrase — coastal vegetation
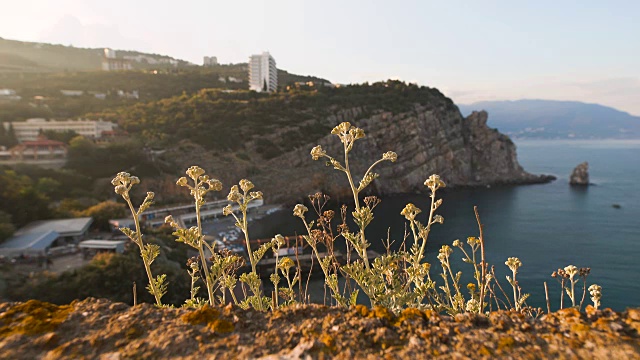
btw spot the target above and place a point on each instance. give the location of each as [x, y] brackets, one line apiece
[160, 130]
[396, 280]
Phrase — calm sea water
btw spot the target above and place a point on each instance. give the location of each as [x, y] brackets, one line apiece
[548, 226]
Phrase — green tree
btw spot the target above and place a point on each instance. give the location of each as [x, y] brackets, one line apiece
[6, 226]
[48, 186]
[103, 212]
[20, 199]
[7, 137]
[12, 140]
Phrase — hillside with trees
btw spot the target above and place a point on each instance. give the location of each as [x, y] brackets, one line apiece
[25, 57]
[230, 121]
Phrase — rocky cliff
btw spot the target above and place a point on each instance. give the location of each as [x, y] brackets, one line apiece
[429, 139]
[421, 125]
[580, 175]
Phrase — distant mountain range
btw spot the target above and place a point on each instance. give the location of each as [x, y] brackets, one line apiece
[557, 119]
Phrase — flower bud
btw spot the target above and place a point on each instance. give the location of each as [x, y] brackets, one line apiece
[390, 156]
[299, 210]
[317, 152]
[194, 172]
[246, 185]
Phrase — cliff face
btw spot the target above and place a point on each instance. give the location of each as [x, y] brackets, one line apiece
[431, 139]
[580, 175]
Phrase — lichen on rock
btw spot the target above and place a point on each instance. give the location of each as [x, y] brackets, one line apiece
[96, 328]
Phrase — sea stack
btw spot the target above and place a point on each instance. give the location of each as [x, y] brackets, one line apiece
[580, 175]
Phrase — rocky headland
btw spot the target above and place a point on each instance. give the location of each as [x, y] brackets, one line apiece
[580, 175]
[100, 329]
[430, 139]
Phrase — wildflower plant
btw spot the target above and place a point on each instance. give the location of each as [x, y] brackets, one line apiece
[514, 264]
[316, 236]
[596, 294]
[395, 280]
[363, 215]
[570, 275]
[193, 269]
[242, 195]
[123, 182]
[202, 184]
[283, 266]
[360, 270]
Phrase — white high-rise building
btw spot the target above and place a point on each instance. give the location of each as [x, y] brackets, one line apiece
[263, 74]
[210, 61]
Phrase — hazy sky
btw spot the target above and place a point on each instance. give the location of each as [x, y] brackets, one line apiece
[473, 50]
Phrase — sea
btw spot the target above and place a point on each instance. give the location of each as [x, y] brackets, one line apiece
[547, 226]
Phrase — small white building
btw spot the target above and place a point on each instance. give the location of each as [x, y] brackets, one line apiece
[263, 74]
[116, 246]
[30, 129]
[9, 94]
[72, 92]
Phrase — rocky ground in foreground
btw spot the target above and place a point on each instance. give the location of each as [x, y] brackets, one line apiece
[101, 329]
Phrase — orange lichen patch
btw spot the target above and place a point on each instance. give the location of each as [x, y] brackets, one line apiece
[601, 324]
[580, 329]
[362, 310]
[484, 351]
[328, 340]
[221, 326]
[506, 342]
[133, 332]
[210, 317]
[569, 313]
[409, 314]
[204, 315]
[429, 314]
[32, 317]
[382, 313]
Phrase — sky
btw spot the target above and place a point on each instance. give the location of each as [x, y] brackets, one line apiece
[471, 50]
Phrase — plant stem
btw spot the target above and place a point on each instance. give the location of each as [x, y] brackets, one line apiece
[147, 266]
[483, 275]
[515, 294]
[201, 249]
[562, 294]
[584, 291]
[276, 284]
[546, 294]
[363, 255]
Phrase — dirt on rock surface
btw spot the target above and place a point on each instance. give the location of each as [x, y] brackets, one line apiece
[101, 329]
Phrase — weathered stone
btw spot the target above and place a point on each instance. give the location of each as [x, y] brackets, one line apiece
[580, 175]
[433, 139]
[315, 331]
